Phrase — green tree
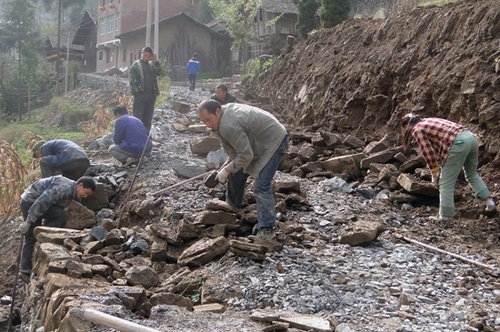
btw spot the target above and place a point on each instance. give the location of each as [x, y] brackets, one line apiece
[19, 35]
[238, 17]
[308, 19]
[334, 12]
[206, 15]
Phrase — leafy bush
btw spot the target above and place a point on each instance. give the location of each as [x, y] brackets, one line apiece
[256, 68]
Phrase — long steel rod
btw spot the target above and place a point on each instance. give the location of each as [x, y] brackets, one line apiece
[468, 260]
[181, 183]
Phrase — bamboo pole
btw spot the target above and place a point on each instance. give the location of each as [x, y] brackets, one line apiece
[432, 248]
[119, 324]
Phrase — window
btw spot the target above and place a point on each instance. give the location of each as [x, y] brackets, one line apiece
[101, 55]
[109, 24]
[117, 22]
[108, 55]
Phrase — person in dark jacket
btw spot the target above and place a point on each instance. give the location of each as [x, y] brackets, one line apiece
[223, 96]
[60, 155]
[45, 200]
[193, 68]
[143, 78]
[130, 138]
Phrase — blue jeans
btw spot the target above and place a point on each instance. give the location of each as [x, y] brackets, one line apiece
[262, 188]
[463, 154]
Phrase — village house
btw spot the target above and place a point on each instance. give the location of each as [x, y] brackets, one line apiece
[117, 17]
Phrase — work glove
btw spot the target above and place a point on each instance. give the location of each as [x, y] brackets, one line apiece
[25, 227]
[435, 176]
[222, 175]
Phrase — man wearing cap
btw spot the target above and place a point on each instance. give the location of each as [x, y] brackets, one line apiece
[61, 156]
[45, 200]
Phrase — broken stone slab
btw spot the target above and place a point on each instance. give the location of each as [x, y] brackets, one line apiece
[308, 322]
[347, 163]
[361, 232]
[210, 307]
[353, 142]
[265, 317]
[171, 299]
[78, 270]
[93, 247]
[287, 187]
[57, 235]
[215, 218]
[80, 217]
[380, 157]
[205, 145]
[412, 164]
[204, 251]
[181, 107]
[276, 327]
[72, 245]
[331, 140]
[197, 128]
[144, 207]
[253, 251]
[374, 147]
[179, 127]
[318, 141]
[184, 230]
[387, 172]
[159, 250]
[113, 237]
[143, 276]
[307, 153]
[166, 233]
[416, 186]
[219, 205]
[188, 171]
[102, 269]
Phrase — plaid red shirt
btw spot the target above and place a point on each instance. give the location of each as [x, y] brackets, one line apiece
[435, 137]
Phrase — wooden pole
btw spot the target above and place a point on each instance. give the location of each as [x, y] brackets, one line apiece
[116, 323]
[432, 248]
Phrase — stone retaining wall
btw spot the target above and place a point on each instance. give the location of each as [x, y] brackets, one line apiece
[98, 82]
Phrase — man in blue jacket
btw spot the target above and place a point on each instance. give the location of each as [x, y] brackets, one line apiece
[60, 155]
[46, 199]
[130, 137]
[193, 67]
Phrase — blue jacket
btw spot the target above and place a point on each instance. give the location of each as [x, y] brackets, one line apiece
[131, 135]
[193, 66]
[58, 152]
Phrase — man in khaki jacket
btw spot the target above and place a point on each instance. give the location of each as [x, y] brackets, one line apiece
[255, 142]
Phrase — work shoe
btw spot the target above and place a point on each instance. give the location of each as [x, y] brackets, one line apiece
[131, 161]
[25, 276]
[266, 233]
[490, 206]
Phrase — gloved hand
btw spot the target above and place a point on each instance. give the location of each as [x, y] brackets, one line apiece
[435, 177]
[25, 227]
[222, 175]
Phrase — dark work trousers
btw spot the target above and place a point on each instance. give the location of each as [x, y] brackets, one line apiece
[192, 81]
[73, 169]
[56, 216]
[144, 105]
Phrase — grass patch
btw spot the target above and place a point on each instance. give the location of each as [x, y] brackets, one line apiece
[59, 119]
[427, 3]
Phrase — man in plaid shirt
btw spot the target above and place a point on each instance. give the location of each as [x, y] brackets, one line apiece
[447, 147]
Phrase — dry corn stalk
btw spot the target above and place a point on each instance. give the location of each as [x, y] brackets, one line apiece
[12, 173]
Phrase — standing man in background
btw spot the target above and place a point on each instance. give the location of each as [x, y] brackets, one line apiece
[60, 155]
[193, 68]
[144, 85]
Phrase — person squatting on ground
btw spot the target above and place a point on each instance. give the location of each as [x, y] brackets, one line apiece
[447, 147]
[255, 142]
[61, 156]
[222, 95]
[144, 85]
[193, 68]
[46, 200]
[130, 138]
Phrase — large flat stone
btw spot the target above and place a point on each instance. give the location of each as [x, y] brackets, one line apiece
[381, 157]
[80, 217]
[215, 218]
[348, 163]
[171, 299]
[417, 186]
[361, 232]
[181, 107]
[203, 146]
[204, 251]
[307, 322]
[143, 276]
[57, 235]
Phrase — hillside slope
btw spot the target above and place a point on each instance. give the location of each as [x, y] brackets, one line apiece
[363, 75]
